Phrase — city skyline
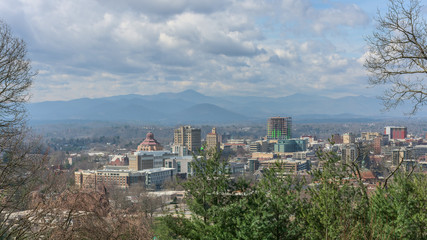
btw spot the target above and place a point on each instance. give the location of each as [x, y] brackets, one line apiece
[245, 48]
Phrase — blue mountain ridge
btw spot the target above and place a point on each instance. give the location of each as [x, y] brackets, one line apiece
[193, 107]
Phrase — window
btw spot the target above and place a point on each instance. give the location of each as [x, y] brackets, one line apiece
[179, 166]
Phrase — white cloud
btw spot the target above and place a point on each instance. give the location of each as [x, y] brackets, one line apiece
[94, 48]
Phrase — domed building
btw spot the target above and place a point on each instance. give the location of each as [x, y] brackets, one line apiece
[150, 144]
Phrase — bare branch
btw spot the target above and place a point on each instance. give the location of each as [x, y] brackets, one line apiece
[397, 54]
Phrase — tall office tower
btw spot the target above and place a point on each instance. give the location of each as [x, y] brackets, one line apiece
[279, 128]
[188, 137]
[396, 132]
[212, 140]
[348, 138]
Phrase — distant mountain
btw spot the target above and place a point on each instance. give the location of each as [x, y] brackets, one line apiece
[207, 113]
[192, 107]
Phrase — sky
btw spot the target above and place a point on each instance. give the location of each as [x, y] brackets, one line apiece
[276, 48]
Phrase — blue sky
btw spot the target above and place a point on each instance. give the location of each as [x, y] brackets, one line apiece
[98, 48]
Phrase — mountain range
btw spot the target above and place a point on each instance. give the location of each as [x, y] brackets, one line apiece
[191, 107]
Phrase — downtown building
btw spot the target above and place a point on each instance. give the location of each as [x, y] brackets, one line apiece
[188, 137]
[355, 153]
[279, 128]
[142, 160]
[150, 144]
[348, 138]
[290, 145]
[182, 164]
[396, 132]
[212, 140]
[123, 178]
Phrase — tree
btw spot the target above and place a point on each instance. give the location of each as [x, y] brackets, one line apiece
[15, 80]
[338, 203]
[223, 207]
[399, 212]
[20, 168]
[208, 195]
[398, 54]
[80, 214]
[335, 205]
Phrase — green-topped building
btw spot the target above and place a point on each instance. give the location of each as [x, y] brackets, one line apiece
[279, 128]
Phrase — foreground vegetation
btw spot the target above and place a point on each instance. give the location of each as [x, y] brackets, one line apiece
[335, 205]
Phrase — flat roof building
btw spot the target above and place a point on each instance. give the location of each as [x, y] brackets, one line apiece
[153, 178]
[141, 160]
[396, 132]
[291, 145]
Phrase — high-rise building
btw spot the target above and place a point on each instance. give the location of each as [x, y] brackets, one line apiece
[348, 138]
[188, 137]
[396, 132]
[279, 128]
[212, 140]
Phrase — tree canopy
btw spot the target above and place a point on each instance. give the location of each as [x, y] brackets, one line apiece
[282, 205]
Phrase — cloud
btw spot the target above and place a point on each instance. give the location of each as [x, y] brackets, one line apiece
[302, 17]
[161, 9]
[94, 48]
[343, 15]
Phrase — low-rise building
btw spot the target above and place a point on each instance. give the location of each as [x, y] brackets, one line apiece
[181, 164]
[291, 145]
[119, 178]
[92, 179]
[253, 165]
[303, 155]
[419, 150]
[151, 178]
[118, 160]
[85, 179]
[154, 178]
[141, 160]
[263, 155]
[236, 167]
[289, 165]
[370, 135]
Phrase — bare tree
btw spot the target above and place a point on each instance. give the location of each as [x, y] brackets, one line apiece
[15, 80]
[20, 169]
[80, 214]
[398, 54]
